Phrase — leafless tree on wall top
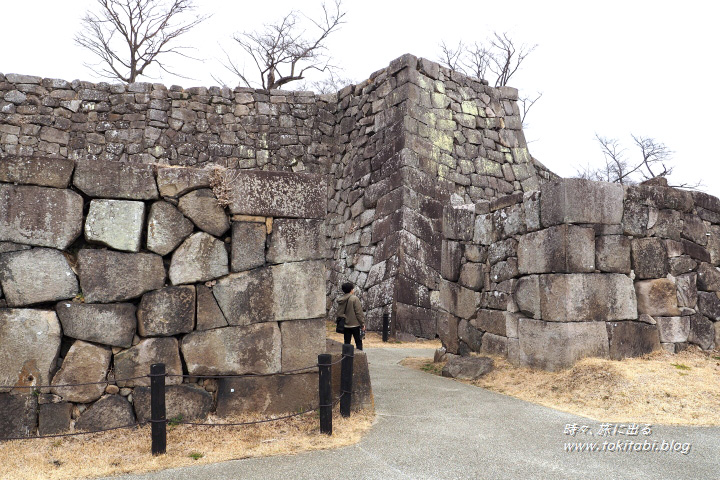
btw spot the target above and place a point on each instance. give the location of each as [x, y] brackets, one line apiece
[285, 51]
[130, 35]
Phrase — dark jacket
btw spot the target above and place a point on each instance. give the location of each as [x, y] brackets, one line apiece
[350, 308]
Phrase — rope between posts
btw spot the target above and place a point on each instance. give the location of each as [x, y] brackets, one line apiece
[73, 384]
[75, 434]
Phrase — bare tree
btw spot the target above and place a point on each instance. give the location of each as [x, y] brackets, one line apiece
[526, 103]
[653, 162]
[130, 35]
[285, 51]
[332, 83]
[506, 57]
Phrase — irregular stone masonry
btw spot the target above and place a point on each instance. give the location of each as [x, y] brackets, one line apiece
[98, 294]
[580, 269]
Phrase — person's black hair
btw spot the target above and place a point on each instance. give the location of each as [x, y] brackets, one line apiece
[347, 287]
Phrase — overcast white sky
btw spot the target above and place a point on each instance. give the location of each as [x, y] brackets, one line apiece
[611, 67]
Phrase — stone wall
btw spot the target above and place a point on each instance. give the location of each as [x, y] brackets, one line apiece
[581, 269]
[108, 267]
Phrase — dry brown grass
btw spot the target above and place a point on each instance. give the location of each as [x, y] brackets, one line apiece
[126, 451]
[681, 389]
[374, 340]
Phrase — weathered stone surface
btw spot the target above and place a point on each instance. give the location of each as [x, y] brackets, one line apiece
[468, 368]
[136, 361]
[459, 222]
[450, 260]
[84, 363]
[293, 240]
[635, 219]
[6, 247]
[302, 342]
[695, 251]
[713, 245]
[41, 171]
[492, 321]
[694, 229]
[681, 264]
[109, 412]
[708, 278]
[494, 345]
[587, 297]
[270, 395]
[201, 206]
[665, 223]
[362, 396]
[574, 200]
[418, 321]
[166, 312]
[248, 245]
[649, 258]
[278, 194]
[18, 415]
[673, 329]
[554, 345]
[471, 276]
[252, 348]
[657, 297]
[115, 223]
[504, 270]
[208, 315]
[559, 249]
[30, 346]
[632, 339]
[45, 217]
[660, 197]
[702, 332]
[502, 250]
[54, 418]
[244, 298]
[35, 276]
[687, 293]
[458, 300]
[167, 228]
[447, 330]
[527, 295]
[484, 233]
[108, 179]
[299, 290]
[107, 276]
[709, 305]
[612, 254]
[200, 258]
[174, 181]
[112, 324]
[469, 336]
[187, 402]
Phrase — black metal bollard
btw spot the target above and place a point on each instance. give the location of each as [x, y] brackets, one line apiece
[324, 361]
[157, 408]
[386, 327]
[346, 374]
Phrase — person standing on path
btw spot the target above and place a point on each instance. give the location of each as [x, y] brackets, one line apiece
[349, 307]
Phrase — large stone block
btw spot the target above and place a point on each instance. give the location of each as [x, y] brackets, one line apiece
[574, 200]
[447, 330]
[494, 345]
[458, 300]
[248, 349]
[491, 321]
[665, 223]
[30, 346]
[83, 363]
[632, 339]
[200, 258]
[612, 254]
[36, 276]
[41, 171]
[708, 278]
[702, 332]
[294, 240]
[527, 295]
[469, 336]
[270, 395]
[450, 260]
[472, 276]
[660, 197]
[657, 297]
[687, 292]
[649, 258]
[115, 223]
[166, 228]
[209, 315]
[468, 368]
[107, 276]
[418, 321]
[109, 412]
[484, 233]
[54, 418]
[201, 206]
[174, 181]
[708, 304]
[187, 402]
[673, 329]
[505, 270]
[166, 312]
[459, 222]
[278, 194]
[585, 297]
[559, 249]
[45, 217]
[136, 361]
[108, 179]
[299, 290]
[554, 345]
[302, 342]
[694, 229]
[245, 298]
[248, 245]
[18, 415]
[112, 324]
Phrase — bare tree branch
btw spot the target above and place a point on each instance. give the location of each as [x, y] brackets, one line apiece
[506, 58]
[284, 51]
[452, 58]
[526, 103]
[128, 36]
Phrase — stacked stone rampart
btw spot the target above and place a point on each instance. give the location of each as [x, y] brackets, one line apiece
[109, 267]
[581, 269]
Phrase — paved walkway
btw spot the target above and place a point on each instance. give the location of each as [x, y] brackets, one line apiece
[430, 427]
